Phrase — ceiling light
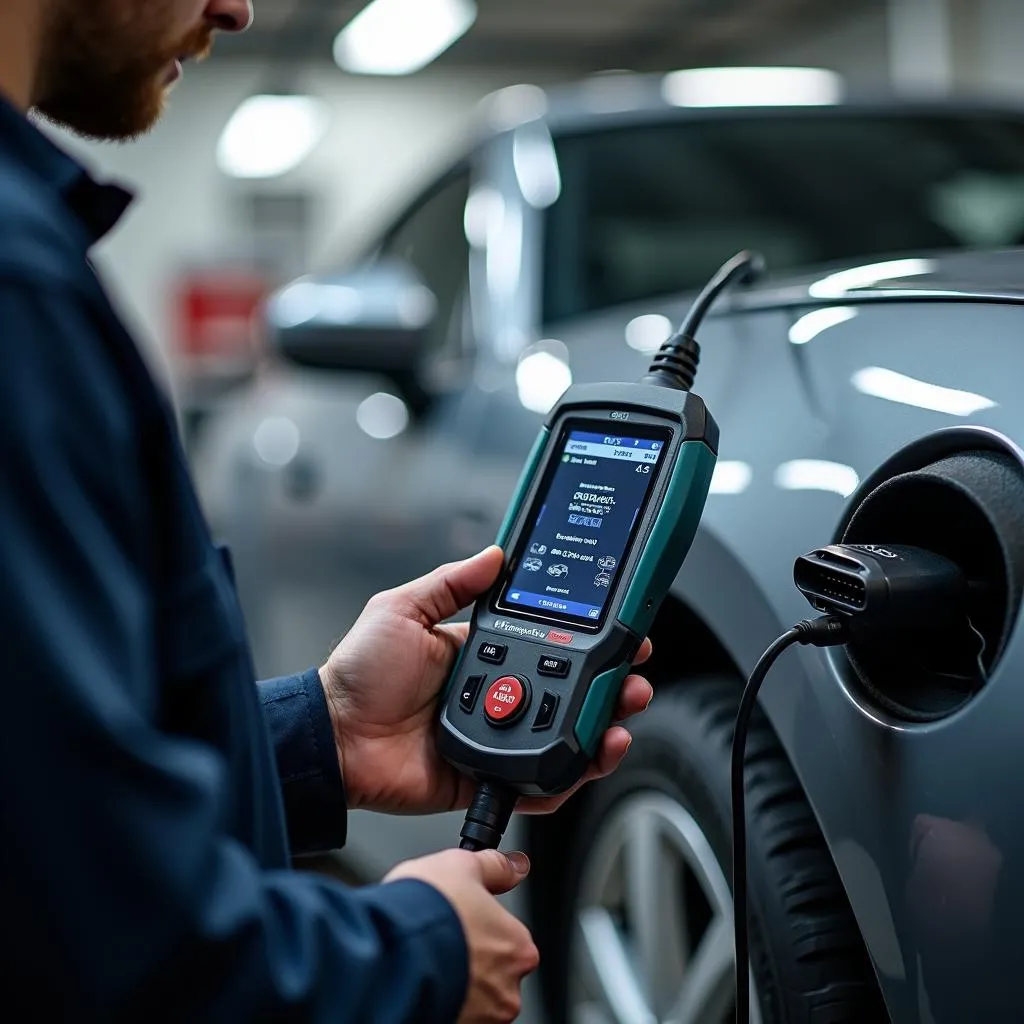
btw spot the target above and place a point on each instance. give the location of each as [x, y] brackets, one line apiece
[878, 382]
[835, 286]
[752, 87]
[817, 475]
[270, 135]
[808, 327]
[399, 37]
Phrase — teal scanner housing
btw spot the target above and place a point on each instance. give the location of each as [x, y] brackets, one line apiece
[601, 520]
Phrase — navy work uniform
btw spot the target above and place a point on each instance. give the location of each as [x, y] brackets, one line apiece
[152, 791]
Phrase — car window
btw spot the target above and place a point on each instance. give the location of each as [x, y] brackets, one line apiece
[432, 239]
[655, 209]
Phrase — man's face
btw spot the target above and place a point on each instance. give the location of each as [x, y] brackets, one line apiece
[106, 65]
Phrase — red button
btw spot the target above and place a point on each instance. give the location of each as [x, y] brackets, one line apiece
[504, 699]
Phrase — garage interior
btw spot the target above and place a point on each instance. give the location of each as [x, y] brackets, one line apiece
[227, 225]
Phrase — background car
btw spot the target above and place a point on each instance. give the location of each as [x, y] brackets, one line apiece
[563, 246]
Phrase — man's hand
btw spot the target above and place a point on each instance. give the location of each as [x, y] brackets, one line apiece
[382, 685]
[501, 949]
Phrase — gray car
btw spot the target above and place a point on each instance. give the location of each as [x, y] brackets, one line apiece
[868, 390]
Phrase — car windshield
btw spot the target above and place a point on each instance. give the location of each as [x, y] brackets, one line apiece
[655, 209]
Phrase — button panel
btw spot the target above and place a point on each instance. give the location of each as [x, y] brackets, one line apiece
[546, 712]
[551, 666]
[506, 701]
[494, 653]
[470, 691]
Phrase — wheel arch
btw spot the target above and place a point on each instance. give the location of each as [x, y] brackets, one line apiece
[726, 637]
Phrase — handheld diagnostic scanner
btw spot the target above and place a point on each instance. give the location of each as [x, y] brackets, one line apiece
[604, 513]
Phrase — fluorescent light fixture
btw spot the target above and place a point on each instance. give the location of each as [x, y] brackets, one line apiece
[835, 286]
[277, 441]
[382, 416]
[752, 87]
[270, 135]
[543, 376]
[648, 333]
[731, 477]
[878, 382]
[808, 327]
[400, 37]
[817, 475]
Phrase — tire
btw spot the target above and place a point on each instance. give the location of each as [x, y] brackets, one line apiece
[809, 964]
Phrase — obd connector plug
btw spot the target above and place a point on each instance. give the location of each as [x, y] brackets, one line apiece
[883, 587]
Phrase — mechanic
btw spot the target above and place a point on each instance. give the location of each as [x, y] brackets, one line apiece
[154, 792]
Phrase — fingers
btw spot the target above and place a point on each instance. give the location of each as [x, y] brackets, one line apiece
[645, 652]
[613, 749]
[501, 872]
[458, 631]
[635, 697]
[447, 590]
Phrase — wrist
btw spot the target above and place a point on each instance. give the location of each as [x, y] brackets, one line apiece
[336, 712]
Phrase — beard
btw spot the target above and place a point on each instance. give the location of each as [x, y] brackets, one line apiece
[106, 65]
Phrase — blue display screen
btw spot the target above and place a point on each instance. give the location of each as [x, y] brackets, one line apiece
[584, 524]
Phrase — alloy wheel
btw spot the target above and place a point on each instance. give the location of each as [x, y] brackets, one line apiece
[653, 938]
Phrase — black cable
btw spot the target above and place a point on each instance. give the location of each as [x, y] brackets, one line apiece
[745, 267]
[675, 364]
[828, 631]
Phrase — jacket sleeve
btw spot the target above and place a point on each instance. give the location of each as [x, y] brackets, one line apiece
[307, 762]
[126, 895]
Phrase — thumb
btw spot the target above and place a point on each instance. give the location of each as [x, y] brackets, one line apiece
[447, 590]
[501, 872]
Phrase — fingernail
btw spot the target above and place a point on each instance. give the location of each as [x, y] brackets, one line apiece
[520, 862]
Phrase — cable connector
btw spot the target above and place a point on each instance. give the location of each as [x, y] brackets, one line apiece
[883, 587]
[488, 817]
[827, 631]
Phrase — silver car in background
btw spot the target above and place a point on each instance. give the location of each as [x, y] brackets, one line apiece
[562, 246]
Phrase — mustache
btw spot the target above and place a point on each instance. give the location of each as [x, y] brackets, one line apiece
[197, 44]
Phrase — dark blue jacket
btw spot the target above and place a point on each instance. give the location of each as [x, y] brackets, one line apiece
[152, 791]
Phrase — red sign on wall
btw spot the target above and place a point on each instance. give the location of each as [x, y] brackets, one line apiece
[218, 316]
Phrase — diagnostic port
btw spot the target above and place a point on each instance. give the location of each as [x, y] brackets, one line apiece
[958, 494]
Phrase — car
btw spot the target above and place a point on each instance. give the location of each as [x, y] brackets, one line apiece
[866, 389]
